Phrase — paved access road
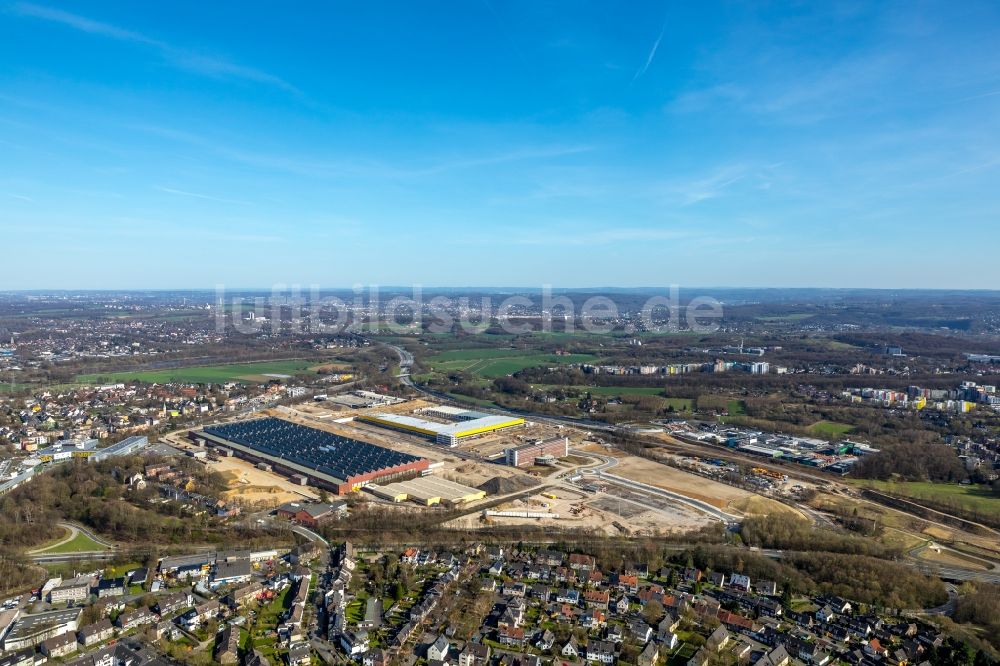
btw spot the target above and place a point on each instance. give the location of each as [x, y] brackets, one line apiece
[41, 555]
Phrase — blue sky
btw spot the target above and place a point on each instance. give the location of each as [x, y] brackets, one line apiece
[499, 143]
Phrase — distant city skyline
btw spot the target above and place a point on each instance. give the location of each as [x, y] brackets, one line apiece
[488, 143]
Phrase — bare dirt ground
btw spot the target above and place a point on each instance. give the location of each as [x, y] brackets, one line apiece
[669, 478]
[757, 505]
[598, 513]
[257, 487]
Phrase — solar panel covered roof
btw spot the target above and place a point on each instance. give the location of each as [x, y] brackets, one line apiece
[325, 452]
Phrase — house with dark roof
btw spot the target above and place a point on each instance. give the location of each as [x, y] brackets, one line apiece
[95, 633]
[602, 652]
[59, 646]
[227, 646]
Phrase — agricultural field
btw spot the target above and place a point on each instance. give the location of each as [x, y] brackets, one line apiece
[970, 498]
[493, 363]
[261, 371]
[831, 428]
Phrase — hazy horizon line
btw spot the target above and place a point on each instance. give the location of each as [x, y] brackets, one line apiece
[306, 289]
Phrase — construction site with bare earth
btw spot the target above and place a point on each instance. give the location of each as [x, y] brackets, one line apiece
[418, 455]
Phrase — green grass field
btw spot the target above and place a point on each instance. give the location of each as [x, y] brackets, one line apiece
[971, 498]
[605, 390]
[620, 390]
[736, 408]
[831, 428]
[81, 543]
[493, 363]
[116, 570]
[206, 374]
[839, 346]
[679, 404]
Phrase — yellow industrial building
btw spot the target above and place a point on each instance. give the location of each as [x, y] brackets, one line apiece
[448, 434]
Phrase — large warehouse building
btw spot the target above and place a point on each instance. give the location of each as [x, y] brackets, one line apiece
[526, 455]
[328, 460]
[428, 491]
[450, 434]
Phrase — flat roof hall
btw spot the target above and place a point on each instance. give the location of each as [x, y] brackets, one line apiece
[328, 460]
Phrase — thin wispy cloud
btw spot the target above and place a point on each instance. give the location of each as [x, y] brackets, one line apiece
[20, 197]
[196, 195]
[651, 56]
[199, 63]
[523, 154]
[588, 237]
[365, 168]
[708, 187]
[992, 93]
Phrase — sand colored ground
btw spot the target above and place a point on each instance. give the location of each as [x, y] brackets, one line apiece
[578, 511]
[758, 505]
[670, 478]
[257, 487]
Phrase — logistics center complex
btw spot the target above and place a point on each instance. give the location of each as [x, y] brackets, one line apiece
[328, 460]
[464, 424]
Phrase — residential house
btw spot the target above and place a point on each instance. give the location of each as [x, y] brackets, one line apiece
[374, 657]
[640, 631]
[440, 647]
[172, 603]
[718, 639]
[650, 654]
[95, 633]
[354, 642]
[475, 654]
[111, 587]
[599, 599]
[628, 584]
[601, 651]
[132, 619]
[777, 657]
[59, 646]
[571, 650]
[511, 636]
[299, 654]
[227, 646]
